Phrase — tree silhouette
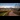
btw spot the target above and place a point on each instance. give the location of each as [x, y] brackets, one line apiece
[18, 5]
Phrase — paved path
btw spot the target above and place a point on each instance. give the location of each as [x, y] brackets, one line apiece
[12, 14]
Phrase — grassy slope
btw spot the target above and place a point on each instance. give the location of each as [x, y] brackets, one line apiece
[2, 14]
